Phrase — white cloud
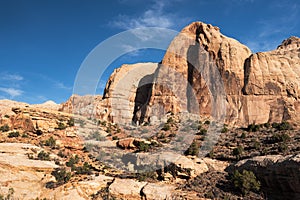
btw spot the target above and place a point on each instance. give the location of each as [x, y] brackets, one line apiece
[12, 77]
[12, 92]
[153, 17]
[60, 85]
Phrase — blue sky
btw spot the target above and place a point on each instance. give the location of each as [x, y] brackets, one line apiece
[43, 43]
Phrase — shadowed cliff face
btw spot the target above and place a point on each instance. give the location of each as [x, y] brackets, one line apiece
[142, 98]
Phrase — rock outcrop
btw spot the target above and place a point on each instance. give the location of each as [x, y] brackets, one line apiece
[205, 73]
[203, 69]
[279, 175]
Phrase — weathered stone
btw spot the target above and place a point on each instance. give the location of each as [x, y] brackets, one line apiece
[126, 188]
[278, 174]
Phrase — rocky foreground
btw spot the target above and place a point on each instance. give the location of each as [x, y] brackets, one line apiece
[165, 140]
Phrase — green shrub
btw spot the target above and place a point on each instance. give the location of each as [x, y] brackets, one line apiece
[97, 136]
[224, 129]
[245, 181]
[253, 128]
[203, 131]
[13, 134]
[24, 135]
[4, 128]
[193, 149]
[166, 127]
[237, 152]
[51, 142]
[61, 175]
[142, 146]
[72, 161]
[280, 137]
[243, 136]
[207, 122]
[170, 120]
[43, 156]
[61, 126]
[71, 122]
[85, 169]
[6, 116]
[115, 137]
[282, 126]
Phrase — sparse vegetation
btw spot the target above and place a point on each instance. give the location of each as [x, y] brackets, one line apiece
[166, 127]
[84, 169]
[71, 122]
[13, 134]
[282, 126]
[280, 137]
[97, 136]
[245, 181]
[72, 161]
[43, 155]
[253, 128]
[193, 149]
[4, 128]
[51, 142]
[115, 137]
[207, 122]
[61, 126]
[61, 175]
[237, 152]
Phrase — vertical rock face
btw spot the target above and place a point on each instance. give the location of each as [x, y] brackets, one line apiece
[208, 74]
[127, 91]
[204, 59]
[202, 65]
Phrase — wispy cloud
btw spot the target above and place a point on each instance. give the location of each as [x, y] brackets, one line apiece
[153, 17]
[12, 92]
[10, 85]
[11, 77]
[61, 85]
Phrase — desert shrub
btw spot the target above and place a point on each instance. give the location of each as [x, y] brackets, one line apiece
[280, 137]
[202, 131]
[253, 127]
[147, 175]
[71, 122]
[24, 135]
[6, 116]
[282, 126]
[207, 122]
[4, 128]
[43, 156]
[245, 181]
[267, 125]
[237, 152]
[85, 169]
[88, 147]
[170, 120]
[61, 154]
[224, 129]
[61, 175]
[51, 142]
[61, 126]
[166, 127]
[115, 137]
[97, 136]
[72, 161]
[243, 136]
[193, 149]
[142, 146]
[13, 134]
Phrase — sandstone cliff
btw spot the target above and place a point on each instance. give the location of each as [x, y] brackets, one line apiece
[205, 73]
